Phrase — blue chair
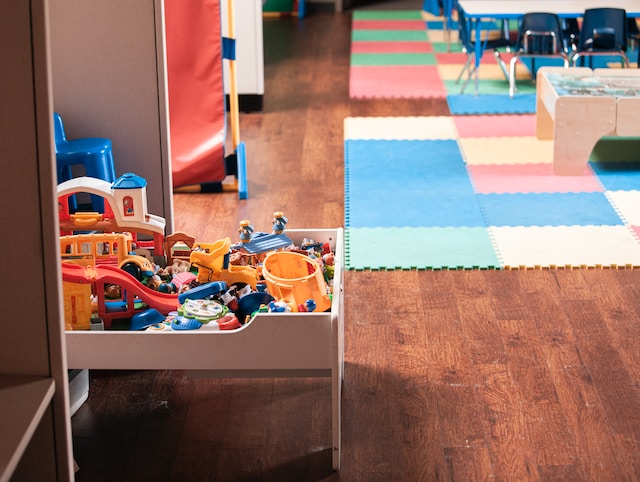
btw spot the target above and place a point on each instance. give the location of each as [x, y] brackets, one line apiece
[603, 33]
[540, 35]
[488, 44]
[95, 155]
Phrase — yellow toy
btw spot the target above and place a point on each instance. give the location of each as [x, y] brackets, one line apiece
[105, 248]
[212, 261]
[77, 306]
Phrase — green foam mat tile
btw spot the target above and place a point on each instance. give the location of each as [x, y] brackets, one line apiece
[419, 248]
[388, 36]
[387, 15]
[393, 59]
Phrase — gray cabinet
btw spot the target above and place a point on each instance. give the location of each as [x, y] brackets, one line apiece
[34, 414]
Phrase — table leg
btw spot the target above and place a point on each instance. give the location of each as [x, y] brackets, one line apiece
[579, 123]
[478, 46]
[544, 121]
[447, 7]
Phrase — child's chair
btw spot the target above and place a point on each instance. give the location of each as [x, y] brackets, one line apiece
[95, 155]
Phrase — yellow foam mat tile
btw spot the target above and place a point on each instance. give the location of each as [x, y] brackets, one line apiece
[506, 150]
[566, 246]
[438, 36]
[488, 72]
[400, 128]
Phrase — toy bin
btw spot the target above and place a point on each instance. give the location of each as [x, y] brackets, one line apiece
[295, 278]
[292, 344]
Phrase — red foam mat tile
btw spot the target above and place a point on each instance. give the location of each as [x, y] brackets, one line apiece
[421, 81]
[400, 47]
[496, 125]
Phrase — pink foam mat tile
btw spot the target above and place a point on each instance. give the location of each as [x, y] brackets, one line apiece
[388, 25]
[451, 58]
[496, 125]
[528, 178]
[566, 246]
[417, 81]
[400, 47]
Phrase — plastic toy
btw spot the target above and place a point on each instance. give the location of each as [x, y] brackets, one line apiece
[202, 310]
[279, 222]
[125, 208]
[295, 278]
[178, 246]
[206, 281]
[203, 291]
[245, 231]
[105, 248]
[212, 261]
[146, 318]
[135, 297]
[77, 306]
[258, 243]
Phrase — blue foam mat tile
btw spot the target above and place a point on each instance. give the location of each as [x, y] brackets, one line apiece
[618, 176]
[395, 165]
[470, 103]
[379, 209]
[428, 178]
[548, 209]
[419, 248]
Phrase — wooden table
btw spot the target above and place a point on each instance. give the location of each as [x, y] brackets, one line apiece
[576, 107]
[476, 10]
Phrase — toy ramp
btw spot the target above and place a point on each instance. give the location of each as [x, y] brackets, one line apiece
[197, 109]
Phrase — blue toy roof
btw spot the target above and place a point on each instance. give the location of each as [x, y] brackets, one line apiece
[129, 181]
[263, 242]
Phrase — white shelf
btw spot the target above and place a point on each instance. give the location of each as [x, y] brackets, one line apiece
[271, 345]
[23, 401]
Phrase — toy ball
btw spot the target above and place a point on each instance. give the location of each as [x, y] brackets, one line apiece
[310, 305]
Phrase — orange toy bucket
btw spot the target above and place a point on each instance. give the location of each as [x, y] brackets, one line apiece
[295, 278]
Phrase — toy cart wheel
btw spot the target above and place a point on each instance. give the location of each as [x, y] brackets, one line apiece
[134, 270]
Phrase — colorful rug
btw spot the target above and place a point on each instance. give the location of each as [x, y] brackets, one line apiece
[407, 54]
[478, 192]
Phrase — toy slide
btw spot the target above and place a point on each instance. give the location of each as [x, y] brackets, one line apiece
[106, 274]
[197, 108]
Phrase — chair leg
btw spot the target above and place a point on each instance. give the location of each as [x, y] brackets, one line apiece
[501, 64]
[512, 76]
[625, 60]
[465, 68]
[470, 72]
[100, 166]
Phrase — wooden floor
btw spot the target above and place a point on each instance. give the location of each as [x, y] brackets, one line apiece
[465, 376]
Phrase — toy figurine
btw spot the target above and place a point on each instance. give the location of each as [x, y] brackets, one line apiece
[246, 231]
[279, 222]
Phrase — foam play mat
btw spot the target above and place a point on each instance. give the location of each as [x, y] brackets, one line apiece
[407, 54]
[449, 193]
[404, 54]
